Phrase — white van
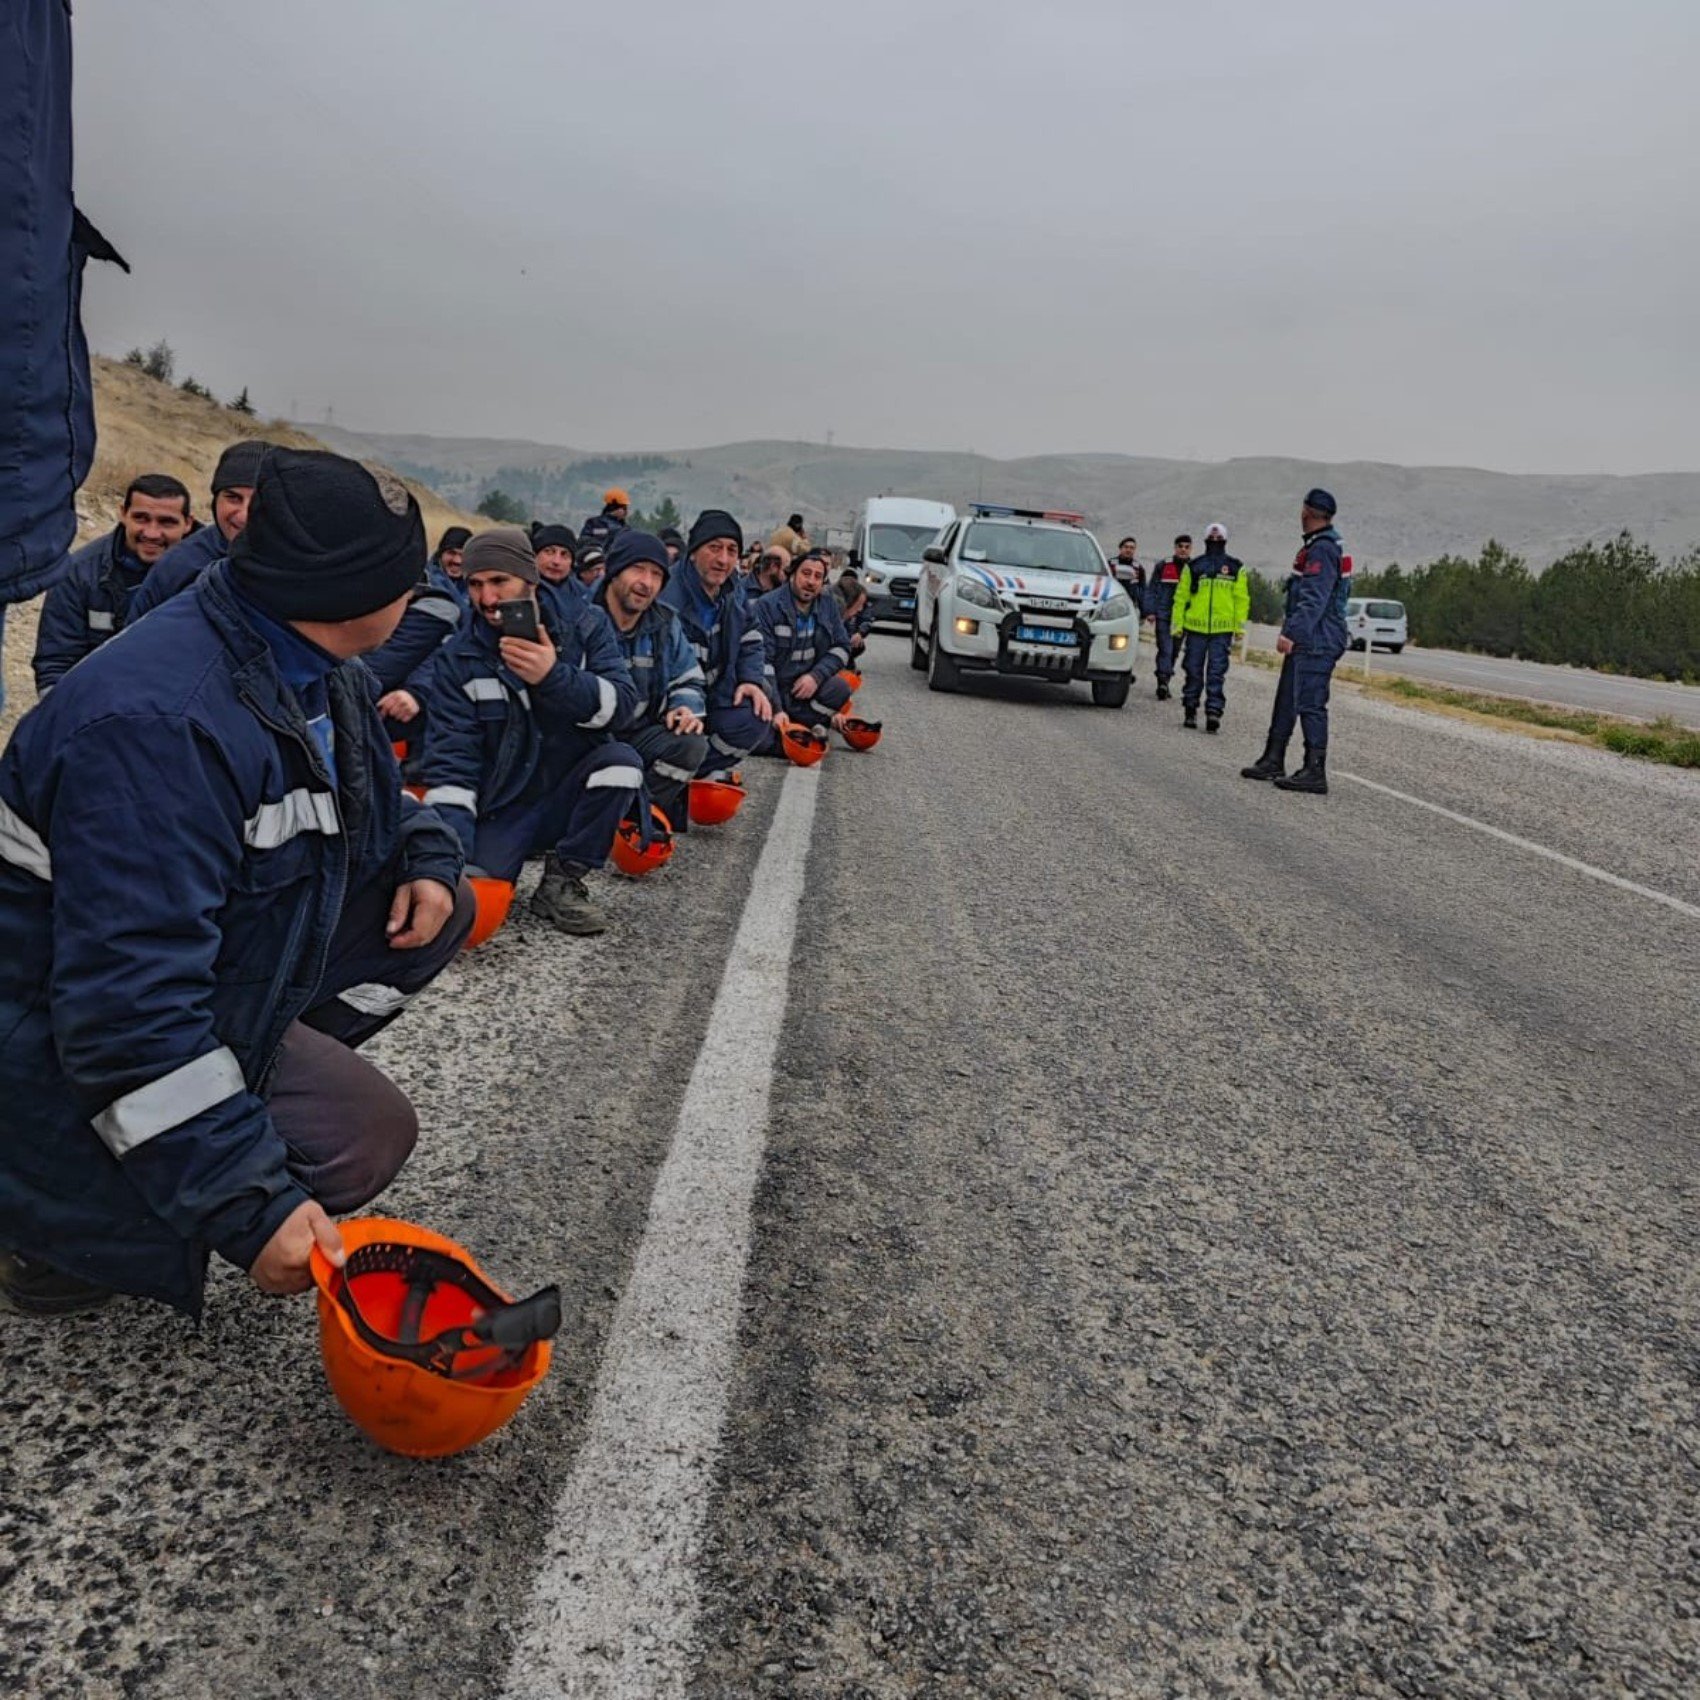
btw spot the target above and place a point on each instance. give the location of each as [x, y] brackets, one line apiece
[886, 550]
[1371, 622]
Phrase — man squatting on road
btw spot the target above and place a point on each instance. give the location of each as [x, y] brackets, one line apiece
[179, 1072]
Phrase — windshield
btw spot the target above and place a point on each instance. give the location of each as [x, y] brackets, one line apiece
[899, 542]
[1032, 548]
[1385, 610]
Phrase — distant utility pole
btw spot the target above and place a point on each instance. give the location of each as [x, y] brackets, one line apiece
[829, 439]
[330, 414]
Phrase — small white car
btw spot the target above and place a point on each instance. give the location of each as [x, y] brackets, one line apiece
[1371, 622]
[1023, 591]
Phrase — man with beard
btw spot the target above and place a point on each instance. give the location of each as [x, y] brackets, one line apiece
[233, 481]
[728, 647]
[92, 601]
[668, 731]
[805, 646]
[519, 755]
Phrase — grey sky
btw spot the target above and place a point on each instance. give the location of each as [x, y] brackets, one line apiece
[1435, 232]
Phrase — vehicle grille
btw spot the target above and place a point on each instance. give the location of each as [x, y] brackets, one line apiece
[901, 587]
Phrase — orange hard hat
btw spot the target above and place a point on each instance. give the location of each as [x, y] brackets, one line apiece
[632, 856]
[852, 680]
[421, 1349]
[494, 898]
[615, 497]
[713, 802]
[803, 746]
[862, 734]
[399, 746]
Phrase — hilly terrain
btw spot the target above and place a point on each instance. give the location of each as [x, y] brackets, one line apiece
[1407, 514]
[143, 425]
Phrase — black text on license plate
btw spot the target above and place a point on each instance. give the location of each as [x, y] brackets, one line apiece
[1044, 634]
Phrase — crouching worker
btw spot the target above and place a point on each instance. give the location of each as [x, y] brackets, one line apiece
[518, 755]
[806, 646]
[212, 889]
[668, 730]
[719, 627]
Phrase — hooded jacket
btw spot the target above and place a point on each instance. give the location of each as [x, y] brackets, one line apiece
[664, 667]
[728, 645]
[486, 730]
[88, 605]
[174, 859]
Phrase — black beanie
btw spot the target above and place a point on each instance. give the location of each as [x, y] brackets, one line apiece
[454, 538]
[670, 535]
[634, 548]
[325, 540]
[554, 537]
[711, 525]
[240, 464]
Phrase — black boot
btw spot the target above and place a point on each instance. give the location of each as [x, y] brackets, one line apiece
[563, 899]
[1212, 723]
[38, 1289]
[1189, 721]
[1272, 764]
[1312, 777]
[1162, 690]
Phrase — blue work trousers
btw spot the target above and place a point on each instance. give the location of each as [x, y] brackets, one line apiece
[734, 731]
[1206, 664]
[1165, 634]
[1301, 697]
[574, 813]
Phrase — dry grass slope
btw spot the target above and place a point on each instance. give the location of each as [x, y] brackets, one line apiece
[141, 426]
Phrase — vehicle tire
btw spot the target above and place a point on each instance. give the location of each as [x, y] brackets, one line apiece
[1394, 648]
[1356, 643]
[942, 674]
[917, 655]
[1111, 693]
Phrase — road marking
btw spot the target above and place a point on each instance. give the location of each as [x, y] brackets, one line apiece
[613, 1611]
[1529, 844]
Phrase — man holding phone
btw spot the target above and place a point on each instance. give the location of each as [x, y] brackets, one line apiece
[519, 756]
[668, 731]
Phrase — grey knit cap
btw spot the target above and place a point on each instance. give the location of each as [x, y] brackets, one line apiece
[503, 549]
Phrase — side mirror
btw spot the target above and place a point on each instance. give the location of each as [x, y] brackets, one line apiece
[855, 562]
[936, 555]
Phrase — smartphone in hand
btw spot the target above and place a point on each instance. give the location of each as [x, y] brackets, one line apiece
[519, 619]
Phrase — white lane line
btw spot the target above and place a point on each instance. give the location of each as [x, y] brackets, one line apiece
[1529, 844]
[613, 1611]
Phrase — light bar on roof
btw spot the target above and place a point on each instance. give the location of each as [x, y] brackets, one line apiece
[996, 510]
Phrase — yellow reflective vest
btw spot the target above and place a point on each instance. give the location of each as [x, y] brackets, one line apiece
[1214, 600]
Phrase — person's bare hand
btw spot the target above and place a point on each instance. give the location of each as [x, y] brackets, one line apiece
[282, 1266]
[839, 718]
[756, 697]
[683, 721]
[399, 705]
[418, 912]
[805, 687]
[1284, 645]
[529, 661]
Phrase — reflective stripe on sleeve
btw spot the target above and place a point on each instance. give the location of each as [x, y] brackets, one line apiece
[22, 845]
[607, 701]
[484, 690]
[667, 770]
[170, 1101]
[452, 796]
[290, 816]
[442, 608]
[100, 620]
[618, 776]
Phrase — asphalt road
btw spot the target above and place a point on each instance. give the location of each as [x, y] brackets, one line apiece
[1569, 687]
[1206, 1242]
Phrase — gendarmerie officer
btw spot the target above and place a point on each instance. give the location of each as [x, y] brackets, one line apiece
[1312, 640]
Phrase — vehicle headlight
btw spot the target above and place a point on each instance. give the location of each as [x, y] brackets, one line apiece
[971, 590]
[1114, 607]
[874, 577]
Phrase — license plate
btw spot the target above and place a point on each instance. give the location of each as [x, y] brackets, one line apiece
[906, 605]
[1044, 634]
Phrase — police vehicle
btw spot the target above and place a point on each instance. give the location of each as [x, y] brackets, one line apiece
[1023, 591]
